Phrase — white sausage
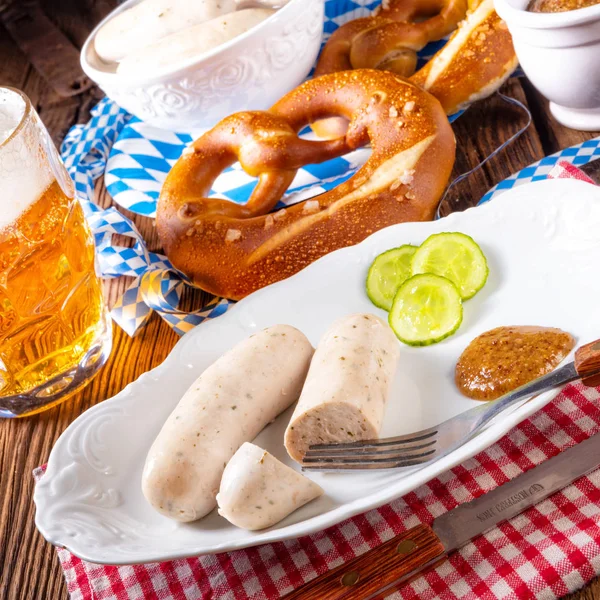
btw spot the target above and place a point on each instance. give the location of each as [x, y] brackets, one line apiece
[229, 404]
[191, 43]
[347, 387]
[151, 20]
[257, 490]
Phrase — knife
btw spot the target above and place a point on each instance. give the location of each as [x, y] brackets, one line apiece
[382, 570]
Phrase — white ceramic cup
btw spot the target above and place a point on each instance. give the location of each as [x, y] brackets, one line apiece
[560, 53]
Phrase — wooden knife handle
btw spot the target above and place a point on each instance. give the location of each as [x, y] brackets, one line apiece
[587, 363]
[364, 576]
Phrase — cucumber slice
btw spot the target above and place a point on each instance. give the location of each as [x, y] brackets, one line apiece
[426, 309]
[387, 273]
[455, 256]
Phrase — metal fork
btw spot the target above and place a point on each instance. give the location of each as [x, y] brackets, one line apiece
[430, 444]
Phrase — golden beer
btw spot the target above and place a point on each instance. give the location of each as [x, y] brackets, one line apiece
[54, 329]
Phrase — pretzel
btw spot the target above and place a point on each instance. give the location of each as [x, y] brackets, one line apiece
[391, 38]
[231, 250]
[373, 42]
[476, 61]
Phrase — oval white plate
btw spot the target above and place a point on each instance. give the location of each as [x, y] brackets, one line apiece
[543, 245]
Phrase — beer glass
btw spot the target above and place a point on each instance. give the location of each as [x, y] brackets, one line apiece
[55, 332]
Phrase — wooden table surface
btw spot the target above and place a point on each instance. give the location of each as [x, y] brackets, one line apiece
[29, 566]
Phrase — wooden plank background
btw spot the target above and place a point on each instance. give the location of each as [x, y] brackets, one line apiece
[29, 567]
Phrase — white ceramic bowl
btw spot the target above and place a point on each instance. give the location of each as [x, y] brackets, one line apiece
[560, 53]
[251, 72]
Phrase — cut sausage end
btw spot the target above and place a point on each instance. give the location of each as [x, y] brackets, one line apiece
[347, 387]
[257, 490]
[333, 423]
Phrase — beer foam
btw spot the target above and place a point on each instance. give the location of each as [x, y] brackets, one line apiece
[23, 175]
[12, 109]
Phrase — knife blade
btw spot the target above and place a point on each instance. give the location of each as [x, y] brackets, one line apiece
[592, 170]
[382, 570]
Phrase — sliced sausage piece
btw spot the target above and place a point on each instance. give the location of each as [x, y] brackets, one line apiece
[257, 490]
[347, 387]
[229, 404]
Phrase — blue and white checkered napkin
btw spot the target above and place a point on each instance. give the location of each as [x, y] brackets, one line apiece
[156, 285]
[577, 155]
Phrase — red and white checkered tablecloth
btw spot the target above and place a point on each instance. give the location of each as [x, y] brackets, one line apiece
[546, 552]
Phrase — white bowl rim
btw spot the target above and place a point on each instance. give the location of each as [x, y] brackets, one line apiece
[161, 74]
[522, 18]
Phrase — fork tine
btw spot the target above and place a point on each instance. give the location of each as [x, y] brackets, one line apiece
[378, 443]
[388, 453]
[367, 459]
[365, 451]
[365, 466]
[372, 447]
